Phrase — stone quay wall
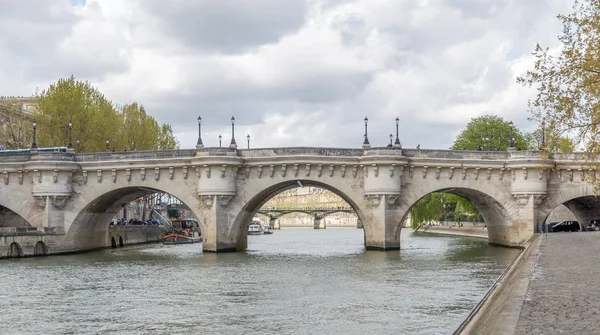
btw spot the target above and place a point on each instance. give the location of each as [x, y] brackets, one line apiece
[468, 230]
[133, 235]
[27, 242]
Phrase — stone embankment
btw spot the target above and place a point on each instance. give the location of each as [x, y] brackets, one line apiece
[497, 312]
[119, 236]
[468, 230]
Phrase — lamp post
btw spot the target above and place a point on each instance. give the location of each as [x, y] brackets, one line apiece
[70, 144]
[34, 143]
[543, 146]
[511, 144]
[366, 141]
[199, 145]
[233, 145]
[397, 142]
[78, 146]
[107, 141]
[219, 140]
[248, 138]
[391, 140]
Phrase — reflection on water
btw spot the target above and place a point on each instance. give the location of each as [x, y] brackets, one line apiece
[296, 281]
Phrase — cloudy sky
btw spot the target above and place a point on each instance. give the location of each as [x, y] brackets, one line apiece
[292, 72]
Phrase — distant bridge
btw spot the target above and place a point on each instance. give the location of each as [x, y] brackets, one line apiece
[318, 215]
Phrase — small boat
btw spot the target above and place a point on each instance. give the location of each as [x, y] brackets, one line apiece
[255, 228]
[180, 239]
[268, 230]
[183, 231]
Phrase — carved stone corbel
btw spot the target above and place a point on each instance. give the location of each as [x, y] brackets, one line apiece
[307, 170]
[271, 170]
[512, 174]
[582, 174]
[40, 201]
[128, 174]
[451, 172]
[525, 173]
[283, 170]
[171, 172]
[411, 170]
[206, 170]
[99, 175]
[247, 171]
[143, 174]
[392, 169]
[224, 200]
[5, 174]
[354, 170]
[464, 173]
[113, 173]
[38, 175]
[438, 170]
[501, 173]
[570, 173]
[235, 170]
[259, 169]
[343, 170]
[375, 170]
[55, 176]
[476, 173]
[331, 169]
[542, 172]
[59, 202]
[522, 199]
[538, 198]
[401, 170]
[319, 170]
[373, 199]
[424, 171]
[206, 201]
[296, 170]
[84, 173]
[391, 199]
[489, 174]
[156, 173]
[20, 177]
[223, 170]
[184, 172]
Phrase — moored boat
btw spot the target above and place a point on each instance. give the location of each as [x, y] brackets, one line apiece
[183, 231]
[180, 239]
[267, 230]
[255, 228]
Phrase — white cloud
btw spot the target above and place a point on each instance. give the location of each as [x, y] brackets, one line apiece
[301, 73]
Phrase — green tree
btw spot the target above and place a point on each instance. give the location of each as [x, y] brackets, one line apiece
[489, 132]
[552, 144]
[95, 120]
[568, 81]
[16, 129]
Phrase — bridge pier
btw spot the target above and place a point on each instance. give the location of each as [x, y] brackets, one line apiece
[359, 223]
[382, 231]
[319, 223]
[274, 223]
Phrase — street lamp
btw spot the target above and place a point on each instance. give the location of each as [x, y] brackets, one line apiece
[107, 141]
[233, 145]
[219, 140]
[397, 143]
[543, 134]
[70, 145]
[34, 143]
[511, 144]
[78, 147]
[391, 139]
[366, 141]
[199, 145]
[248, 138]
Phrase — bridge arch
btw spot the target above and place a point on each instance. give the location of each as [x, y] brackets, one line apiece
[581, 201]
[40, 249]
[12, 218]
[15, 250]
[493, 207]
[91, 213]
[255, 200]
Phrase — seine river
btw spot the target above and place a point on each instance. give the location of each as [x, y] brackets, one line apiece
[296, 281]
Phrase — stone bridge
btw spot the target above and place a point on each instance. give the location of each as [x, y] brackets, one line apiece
[317, 214]
[76, 195]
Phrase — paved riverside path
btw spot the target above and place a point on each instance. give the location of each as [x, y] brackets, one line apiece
[563, 296]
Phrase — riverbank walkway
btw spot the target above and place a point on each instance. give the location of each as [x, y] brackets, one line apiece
[559, 290]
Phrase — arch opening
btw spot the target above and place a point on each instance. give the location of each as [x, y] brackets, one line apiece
[489, 213]
[296, 204]
[113, 242]
[10, 219]
[40, 249]
[121, 243]
[99, 220]
[584, 210]
[15, 250]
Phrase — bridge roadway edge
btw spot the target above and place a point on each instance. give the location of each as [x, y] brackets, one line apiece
[498, 311]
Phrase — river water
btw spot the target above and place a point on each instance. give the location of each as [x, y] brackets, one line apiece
[296, 281]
